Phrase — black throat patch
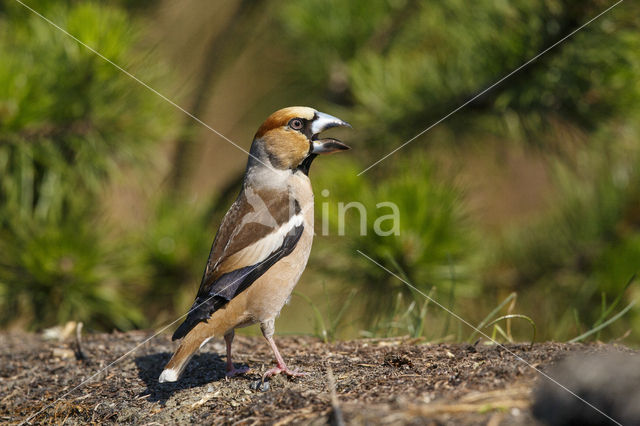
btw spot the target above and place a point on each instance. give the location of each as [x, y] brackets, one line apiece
[306, 164]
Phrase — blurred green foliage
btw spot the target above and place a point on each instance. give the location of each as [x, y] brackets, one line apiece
[580, 256]
[69, 122]
[395, 67]
[422, 237]
[174, 244]
[399, 65]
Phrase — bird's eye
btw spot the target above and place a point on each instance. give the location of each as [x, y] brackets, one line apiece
[295, 124]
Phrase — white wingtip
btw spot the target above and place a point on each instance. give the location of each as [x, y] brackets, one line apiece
[168, 375]
[204, 342]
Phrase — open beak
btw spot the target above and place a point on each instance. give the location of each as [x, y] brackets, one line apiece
[321, 123]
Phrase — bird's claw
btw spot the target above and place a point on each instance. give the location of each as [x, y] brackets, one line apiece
[232, 372]
[283, 369]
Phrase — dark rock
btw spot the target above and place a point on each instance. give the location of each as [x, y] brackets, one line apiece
[608, 381]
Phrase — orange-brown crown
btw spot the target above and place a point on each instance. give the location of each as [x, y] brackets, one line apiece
[281, 117]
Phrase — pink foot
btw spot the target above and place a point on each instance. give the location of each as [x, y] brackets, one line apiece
[232, 372]
[282, 369]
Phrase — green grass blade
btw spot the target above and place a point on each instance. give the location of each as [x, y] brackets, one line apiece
[492, 314]
[604, 324]
[615, 302]
[524, 317]
[452, 295]
[318, 314]
[499, 330]
[345, 306]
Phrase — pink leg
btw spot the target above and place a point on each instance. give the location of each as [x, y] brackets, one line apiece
[267, 331]
[231, 370]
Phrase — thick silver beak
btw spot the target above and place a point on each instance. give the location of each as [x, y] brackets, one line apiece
[327, 146]
[322, 122]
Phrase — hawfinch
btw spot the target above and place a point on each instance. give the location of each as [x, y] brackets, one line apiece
[263, 242]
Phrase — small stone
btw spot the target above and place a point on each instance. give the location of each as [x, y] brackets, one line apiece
[259, 385]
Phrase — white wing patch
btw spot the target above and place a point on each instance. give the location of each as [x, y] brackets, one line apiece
[261, 249]
[204, 342]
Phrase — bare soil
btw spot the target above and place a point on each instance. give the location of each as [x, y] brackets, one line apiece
[384, 381]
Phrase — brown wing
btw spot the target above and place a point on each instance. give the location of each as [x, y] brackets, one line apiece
[258, 230]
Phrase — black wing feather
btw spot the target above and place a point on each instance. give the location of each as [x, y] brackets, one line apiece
[233, 283]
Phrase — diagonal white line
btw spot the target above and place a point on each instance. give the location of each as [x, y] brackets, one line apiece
[121, 357]
[492, 86]
[141, 82]
[459, 318]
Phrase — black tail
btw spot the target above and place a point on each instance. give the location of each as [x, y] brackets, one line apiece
[182, 331]
[201, 310]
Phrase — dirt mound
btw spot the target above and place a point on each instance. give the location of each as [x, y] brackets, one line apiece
[376, 381]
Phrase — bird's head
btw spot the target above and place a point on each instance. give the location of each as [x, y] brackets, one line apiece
[289, 138]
